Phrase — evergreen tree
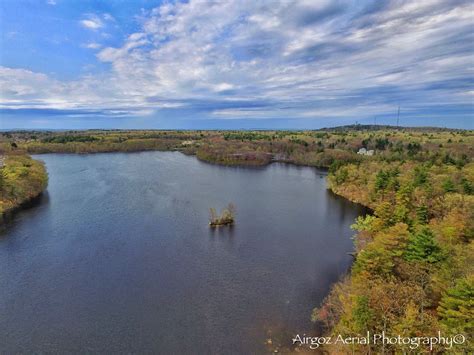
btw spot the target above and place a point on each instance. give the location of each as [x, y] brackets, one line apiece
[423, 247]
[456, 308]
[467, 187]
[448, 186]
[381, 180]
[362, 314]
[422, 214]
[421, 176]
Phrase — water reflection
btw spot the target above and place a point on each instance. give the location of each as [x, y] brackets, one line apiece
[10, 219]
[119, 256]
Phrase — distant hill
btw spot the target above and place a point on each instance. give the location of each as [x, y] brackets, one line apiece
[370, 127]
[352, 127]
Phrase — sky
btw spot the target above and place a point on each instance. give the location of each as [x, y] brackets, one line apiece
[77, 64]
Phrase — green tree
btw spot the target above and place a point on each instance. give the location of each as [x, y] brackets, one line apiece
[467, 187]
[456, 308]
[421, 176]
[335, 165]
[341, 175]
[423, 247]
[381, 180]
[365, 223]
[2, 179]
[422, 214]
[448, 186]
[362, 314]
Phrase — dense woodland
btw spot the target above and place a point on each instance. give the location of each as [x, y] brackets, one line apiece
[413, 274]
[413, 270]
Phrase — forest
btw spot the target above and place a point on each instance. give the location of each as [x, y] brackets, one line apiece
[413, 274]
[413, 268]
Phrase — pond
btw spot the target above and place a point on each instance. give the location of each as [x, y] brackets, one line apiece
[118, 256]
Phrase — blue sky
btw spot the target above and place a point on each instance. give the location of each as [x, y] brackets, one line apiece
[235, 64]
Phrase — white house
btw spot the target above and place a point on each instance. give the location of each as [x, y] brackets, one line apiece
[363, 151]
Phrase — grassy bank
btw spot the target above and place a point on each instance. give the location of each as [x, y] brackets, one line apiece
[21, 180]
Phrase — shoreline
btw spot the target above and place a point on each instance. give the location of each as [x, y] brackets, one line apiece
[9, 214]
[24, 180]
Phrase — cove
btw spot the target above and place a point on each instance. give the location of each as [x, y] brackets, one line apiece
[118, 256]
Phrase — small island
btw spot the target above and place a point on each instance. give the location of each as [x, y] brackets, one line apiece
[227, 216]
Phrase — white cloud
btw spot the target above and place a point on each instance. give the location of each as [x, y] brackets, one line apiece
[222, 87]
[304, 59]
[92, 22]
[92, 45]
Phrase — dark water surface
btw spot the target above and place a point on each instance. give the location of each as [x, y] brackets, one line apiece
[118, 256]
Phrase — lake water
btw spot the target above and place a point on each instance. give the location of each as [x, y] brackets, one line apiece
[118, 257]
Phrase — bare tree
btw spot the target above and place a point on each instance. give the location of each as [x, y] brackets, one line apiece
[227, 216]
[213, 218]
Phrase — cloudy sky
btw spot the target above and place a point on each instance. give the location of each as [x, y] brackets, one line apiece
[235, 64]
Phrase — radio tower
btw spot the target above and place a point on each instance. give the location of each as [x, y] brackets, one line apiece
[398, 116]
